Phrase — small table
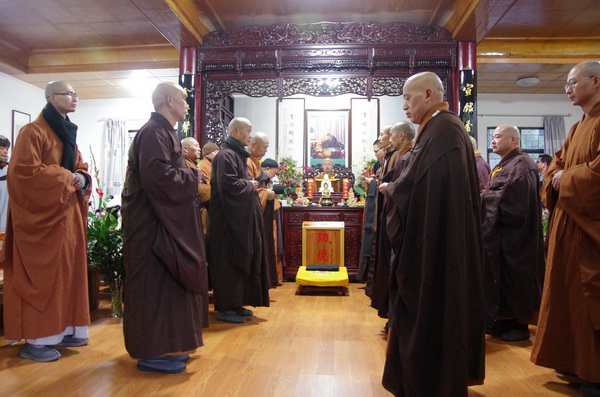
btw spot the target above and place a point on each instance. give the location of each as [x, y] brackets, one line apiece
[323, 244]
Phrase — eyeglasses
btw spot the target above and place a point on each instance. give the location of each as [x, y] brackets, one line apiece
[573, 82]
[70, 93]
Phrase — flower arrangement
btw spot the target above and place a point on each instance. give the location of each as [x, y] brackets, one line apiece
[289, 176]
[360, 184]
[105, 244]
[545, 219]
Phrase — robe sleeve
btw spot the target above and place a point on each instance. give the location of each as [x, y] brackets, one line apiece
[580, 190]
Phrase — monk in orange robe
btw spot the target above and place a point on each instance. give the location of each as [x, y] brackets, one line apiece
[45, 277]
[568, 336]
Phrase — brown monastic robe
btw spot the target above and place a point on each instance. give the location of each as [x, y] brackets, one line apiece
[436, 344]
[381, 276]
[45, 275]
[568, 334]
[239, 271]
[165, 289]
[513, 245]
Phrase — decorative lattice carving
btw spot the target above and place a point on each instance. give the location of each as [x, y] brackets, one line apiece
[327, 33]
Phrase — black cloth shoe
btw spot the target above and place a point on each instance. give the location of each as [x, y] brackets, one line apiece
[230, 316]
[163, 365]
[501, 327]
[42, 354]
[590, 390]
[515, 335]
[243, 312]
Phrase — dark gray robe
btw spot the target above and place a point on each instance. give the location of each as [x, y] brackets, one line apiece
[513, 245]
[239, 271]
[163, 247]
[436, 344]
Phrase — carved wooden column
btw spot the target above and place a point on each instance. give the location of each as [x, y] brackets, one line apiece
[467, 86]
[187, 78]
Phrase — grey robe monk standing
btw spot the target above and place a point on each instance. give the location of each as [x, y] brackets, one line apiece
[513, 245]
[436, 343]
[165, 270]
[239, 271]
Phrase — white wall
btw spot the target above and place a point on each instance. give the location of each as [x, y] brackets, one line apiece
[263, 112]
[521, 110]
[17, 95]
[90, 116]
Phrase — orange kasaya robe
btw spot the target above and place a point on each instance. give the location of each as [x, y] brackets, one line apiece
[45, 276]
[203, 194]
[568, 335]
[256, 172]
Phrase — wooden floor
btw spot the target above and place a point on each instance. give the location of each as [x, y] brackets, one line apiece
[301, 346]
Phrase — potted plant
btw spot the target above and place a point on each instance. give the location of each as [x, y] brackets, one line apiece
[289, 176]
[105, 245]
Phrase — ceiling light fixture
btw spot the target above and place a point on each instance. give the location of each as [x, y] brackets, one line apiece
[528, 81]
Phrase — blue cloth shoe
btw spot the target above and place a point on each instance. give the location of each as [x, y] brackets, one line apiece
[230, 316]
[42, 354]
[163, 365]
[71, 341]
[184, 358]
[244, 312]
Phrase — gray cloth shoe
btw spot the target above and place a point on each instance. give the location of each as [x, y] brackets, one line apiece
[42, 354]
[229, 316]
[71, 341]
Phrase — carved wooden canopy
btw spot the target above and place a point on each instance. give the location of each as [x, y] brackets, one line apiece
[366, 58]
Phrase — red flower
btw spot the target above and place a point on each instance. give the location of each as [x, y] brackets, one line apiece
[99, 192]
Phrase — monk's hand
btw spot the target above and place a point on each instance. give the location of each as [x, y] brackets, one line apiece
[255, 185]
[78, 181]
[383, 188]
[556, 180]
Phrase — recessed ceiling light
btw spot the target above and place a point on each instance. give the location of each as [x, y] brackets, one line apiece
[528, 81]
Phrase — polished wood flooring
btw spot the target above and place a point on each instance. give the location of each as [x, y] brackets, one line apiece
[302, 346]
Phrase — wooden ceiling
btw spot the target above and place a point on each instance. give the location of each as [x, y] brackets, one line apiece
[101, 45]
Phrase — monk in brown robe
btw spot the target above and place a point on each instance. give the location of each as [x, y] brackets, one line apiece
[165, 290]
[384, 175]
[436, 343]
[45, 275]
[568, 335]
[401, 136]
[483, 168]
[513, 244]
[190, 148]
[239, 271]
[259, 144]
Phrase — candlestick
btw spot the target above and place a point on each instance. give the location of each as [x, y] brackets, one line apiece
[345, 184]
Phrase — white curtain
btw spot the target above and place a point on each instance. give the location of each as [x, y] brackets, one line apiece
[115, 159]
[554, 134]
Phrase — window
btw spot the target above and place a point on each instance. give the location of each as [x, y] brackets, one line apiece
[532, 143]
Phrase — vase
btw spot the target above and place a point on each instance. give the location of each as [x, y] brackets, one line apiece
[116, 298]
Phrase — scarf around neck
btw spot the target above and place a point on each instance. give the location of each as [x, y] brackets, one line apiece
[66, 131]
[237, 146]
